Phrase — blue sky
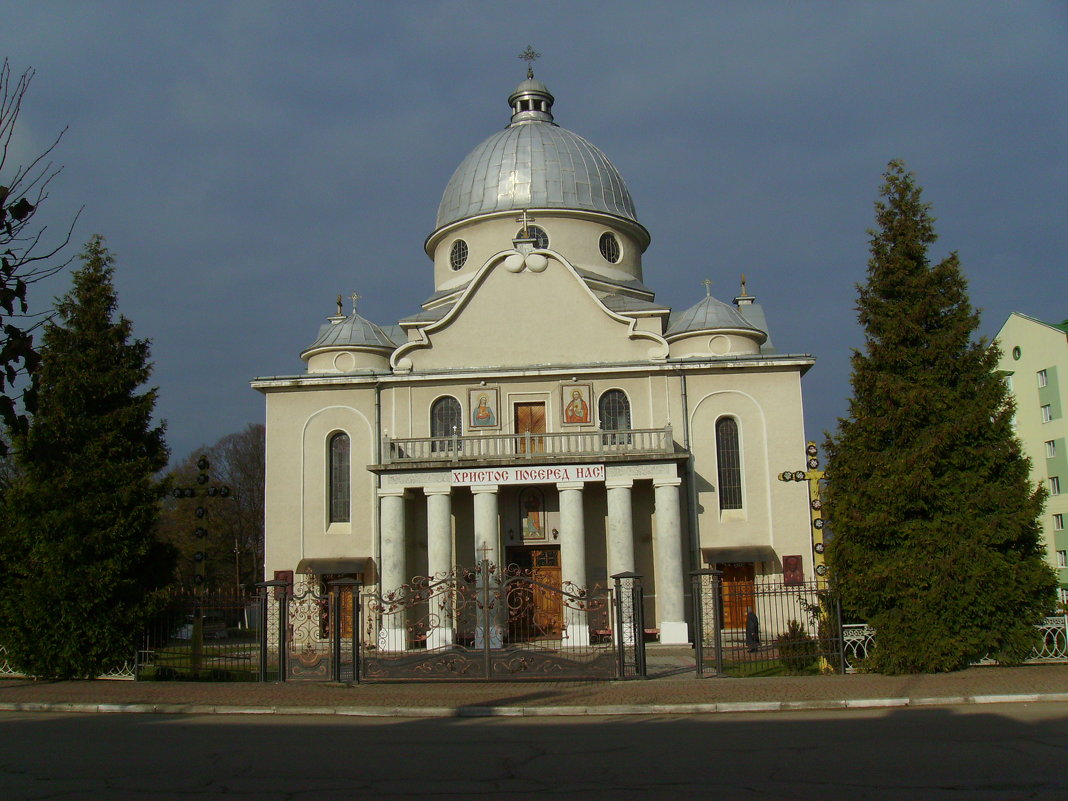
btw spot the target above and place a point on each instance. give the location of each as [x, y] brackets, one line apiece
[248, 161]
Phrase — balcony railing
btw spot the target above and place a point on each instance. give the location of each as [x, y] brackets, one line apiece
[511, 447]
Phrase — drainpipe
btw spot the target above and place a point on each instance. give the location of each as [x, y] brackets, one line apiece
[691, 507]
[377, 456]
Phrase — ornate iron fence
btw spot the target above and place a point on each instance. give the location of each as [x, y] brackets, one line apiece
[764, 628]
[503, 624]
[124, 672]
[860, 639]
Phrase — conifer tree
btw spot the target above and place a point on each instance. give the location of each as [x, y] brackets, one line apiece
[936, 537]
[78, 555]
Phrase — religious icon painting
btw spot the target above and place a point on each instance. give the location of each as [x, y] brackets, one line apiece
[793, 571]
[576, 402]
[532, 514]
[482, 402]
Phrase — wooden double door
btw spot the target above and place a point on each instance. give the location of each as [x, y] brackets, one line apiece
[736, 593]
[530, 420]
[539, 613]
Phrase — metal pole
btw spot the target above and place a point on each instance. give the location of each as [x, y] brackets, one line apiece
[639, 626]
[335, 632]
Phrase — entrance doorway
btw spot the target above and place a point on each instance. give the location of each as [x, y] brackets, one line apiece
[542, 616]
[530, 419]
[737, 593]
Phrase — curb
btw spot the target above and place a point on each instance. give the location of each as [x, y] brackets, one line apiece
[727, 707]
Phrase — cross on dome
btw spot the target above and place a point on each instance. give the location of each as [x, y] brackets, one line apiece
[529, 55]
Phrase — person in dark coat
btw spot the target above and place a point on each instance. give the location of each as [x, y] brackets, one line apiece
[752, 630]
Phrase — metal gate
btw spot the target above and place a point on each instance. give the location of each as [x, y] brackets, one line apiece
[497, 624]
[765, 628]
[299, 641]
[484, 623]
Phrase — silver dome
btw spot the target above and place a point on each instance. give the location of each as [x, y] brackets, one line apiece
[709, 315]
[534, 164]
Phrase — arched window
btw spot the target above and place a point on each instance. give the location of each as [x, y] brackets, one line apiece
[614, 415]
[339, 478]
[446, 419]
[729, 463]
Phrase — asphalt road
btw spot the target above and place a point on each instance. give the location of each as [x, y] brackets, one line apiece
[1016, 751]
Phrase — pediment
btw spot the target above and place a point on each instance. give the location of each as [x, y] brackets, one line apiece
[514, 316]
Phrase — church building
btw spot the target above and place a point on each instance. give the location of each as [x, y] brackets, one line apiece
[541, 408]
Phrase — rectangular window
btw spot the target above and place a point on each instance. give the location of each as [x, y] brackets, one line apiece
[1054, 485]
[1062, 559]
[1042, 379]
[1058, 522]
[1047, 413]
[1051, 448]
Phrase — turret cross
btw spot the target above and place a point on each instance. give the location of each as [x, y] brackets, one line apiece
[529, 55]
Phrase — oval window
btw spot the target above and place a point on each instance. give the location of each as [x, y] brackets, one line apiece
[610, 247]
[1016, 352]
[458, 254]
[541, 239]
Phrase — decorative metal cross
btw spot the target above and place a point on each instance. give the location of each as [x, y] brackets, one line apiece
[339, 312]
[744, 294]
[529, 55]
[813, 475]
[526, 219]
[355, 298]
[708, 287]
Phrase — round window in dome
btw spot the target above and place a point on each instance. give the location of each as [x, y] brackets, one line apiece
[541, 239]
[458, 254]
[610, 247]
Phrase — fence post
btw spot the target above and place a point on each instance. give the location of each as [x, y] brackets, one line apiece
[630, 628]
[280, 587]
[706, 616]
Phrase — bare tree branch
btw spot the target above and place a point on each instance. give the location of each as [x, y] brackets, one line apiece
[24, 258]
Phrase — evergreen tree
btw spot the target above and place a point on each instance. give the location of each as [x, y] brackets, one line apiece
[78, 557]
[936, 537]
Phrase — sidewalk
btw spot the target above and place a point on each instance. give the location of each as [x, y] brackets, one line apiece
[670, 690]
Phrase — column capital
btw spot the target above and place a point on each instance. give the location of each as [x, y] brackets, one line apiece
[478, 489]
[619, 483]
[438, 489]
[391, 492]
[571, 485]
[667, 481]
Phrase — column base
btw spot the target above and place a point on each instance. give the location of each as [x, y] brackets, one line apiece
[392, 639]
[439, 637]
[577, 636]
[674, 633]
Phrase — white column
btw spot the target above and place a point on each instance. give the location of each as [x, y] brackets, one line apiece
[439, 560]
[573, 558]
[487, 546]
[670, 581]
[620, 526]
[487, 531]
[391, 574]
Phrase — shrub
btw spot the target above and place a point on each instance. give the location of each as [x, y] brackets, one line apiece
[797, 650]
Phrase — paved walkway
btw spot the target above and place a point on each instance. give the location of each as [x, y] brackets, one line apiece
[672, 689]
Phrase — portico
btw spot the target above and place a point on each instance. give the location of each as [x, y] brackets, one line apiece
[563, 525]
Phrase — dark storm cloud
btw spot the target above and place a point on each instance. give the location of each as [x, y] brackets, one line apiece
[248, 161]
